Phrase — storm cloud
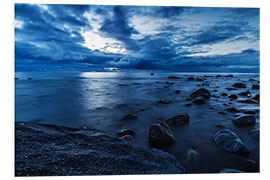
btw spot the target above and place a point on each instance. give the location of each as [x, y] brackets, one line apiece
[93, 37]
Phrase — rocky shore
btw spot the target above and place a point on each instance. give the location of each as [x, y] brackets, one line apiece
[49, 150]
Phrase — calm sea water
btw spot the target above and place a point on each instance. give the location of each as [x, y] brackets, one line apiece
[100, 99]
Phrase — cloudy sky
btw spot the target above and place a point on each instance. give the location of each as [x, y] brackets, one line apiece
[91, 38]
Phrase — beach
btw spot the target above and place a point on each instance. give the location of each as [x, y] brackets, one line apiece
[115, 101]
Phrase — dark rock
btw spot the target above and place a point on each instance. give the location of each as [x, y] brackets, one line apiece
[201, 92]
[199, 79]
[255, 133]
[61, 151]
[233, 96]
[230, 75]
[227, 170]
[230, 89]
[173, 77]
[221, 125]
[188, 104]
[169, 83]
[249, 112]
[218, 75]
[178, 120]
[160, 135]
[224, 94]
[215, 90]
[206, 76]
[199, 100]
[251, 80]
[188, 98]
[177, 91]
[190, 78]
[229, 141]
[225, 104]
[222, 113]
[211, 107]
[29, 78]
[124, 132]
[255, 86]
[246, 93]
[164, 101]
[16, 78]
[232, 110]
[248, 101]
[239, 85]
[256, 97]
[129, 117]
[122, 84]
[244, 120]
[152, 74]
[215, 96]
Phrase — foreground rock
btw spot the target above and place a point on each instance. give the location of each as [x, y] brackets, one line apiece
[200, 96]
[160, 135]
[229, 141]
[244, 120]
[179, 119]
[48, 150]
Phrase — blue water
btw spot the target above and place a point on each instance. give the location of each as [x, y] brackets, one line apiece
[100, 99]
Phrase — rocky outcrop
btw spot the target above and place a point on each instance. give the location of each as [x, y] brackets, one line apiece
[49, 150]
[229, 141]
[244, 120]
[178, 120]
[160, 135]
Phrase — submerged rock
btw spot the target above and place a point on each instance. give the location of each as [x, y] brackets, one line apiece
[230, 89]
[173, 77]
[177, 91]
[192, 159]
[160, 135]
[164, 101]
[229, 141]
[255, 86]
[233, 96]
[227, 170]
[62, 151]
[152, 74]
[224, 94]
[190, 78]
[129, 117]
[239, 85]
[178, 120]
[244, 120]
[255, 133]
[248, 101]
[232, 110]
[124, 132]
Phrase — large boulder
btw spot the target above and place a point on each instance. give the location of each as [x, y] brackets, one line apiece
[200, 92]
[178, 120]
[244, 120]
[160, 135]
[229, 141]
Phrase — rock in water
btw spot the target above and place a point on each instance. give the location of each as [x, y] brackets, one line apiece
[255, 133]
[164, 101]
[124, 132]
[239, 85]
[233, 96]
[248, 101]
[227, 170]
[190, 78]
[129, 117]
[256, 97]
[255, 86]
[199, 100]
[244, 120]
[229, 141]
[160, 135]
[192, 159]
[179, 119]
[201, 92]
[232, 110]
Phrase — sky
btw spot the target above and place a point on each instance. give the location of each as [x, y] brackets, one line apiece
[94, 37]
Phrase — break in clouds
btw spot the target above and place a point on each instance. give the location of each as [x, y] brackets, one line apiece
[91, 38]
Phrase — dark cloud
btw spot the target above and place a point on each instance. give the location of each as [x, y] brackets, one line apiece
[51, 35]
